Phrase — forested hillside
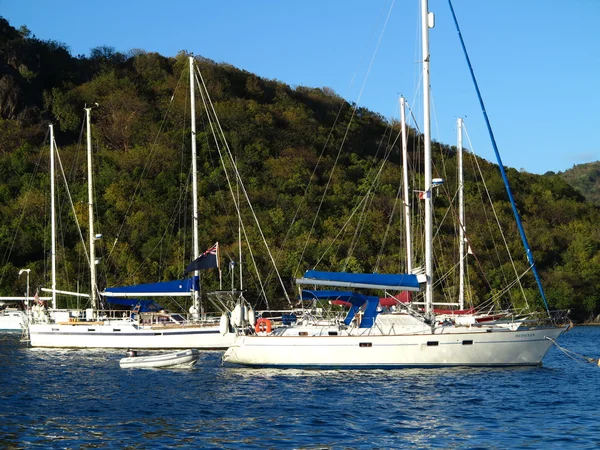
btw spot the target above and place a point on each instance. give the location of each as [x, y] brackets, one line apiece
[586, 179]
[299, 151]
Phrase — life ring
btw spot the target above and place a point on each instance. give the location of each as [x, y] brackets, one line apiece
[263, 325]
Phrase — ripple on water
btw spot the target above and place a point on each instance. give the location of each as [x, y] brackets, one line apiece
[78, 399]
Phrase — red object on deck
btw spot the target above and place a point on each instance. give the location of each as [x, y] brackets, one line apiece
[402, 297]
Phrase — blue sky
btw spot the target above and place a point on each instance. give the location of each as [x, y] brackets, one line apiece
[537, 61]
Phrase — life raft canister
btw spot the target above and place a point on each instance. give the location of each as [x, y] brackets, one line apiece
[263, 325]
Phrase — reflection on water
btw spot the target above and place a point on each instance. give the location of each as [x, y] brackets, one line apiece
[81, 398]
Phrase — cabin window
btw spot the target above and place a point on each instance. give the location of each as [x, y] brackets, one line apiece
[91, 329]
[116, 329]
[432, 343]
[333, 333]
[467, 342]
[303, 333]
[54, 329]
[365, 344]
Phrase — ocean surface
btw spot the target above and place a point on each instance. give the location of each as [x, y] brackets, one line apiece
[83, 399]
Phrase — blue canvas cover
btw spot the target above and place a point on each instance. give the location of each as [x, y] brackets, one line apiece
[356, 300]
[406, 282]
[176, 288]
[308, 294]
[144, 305]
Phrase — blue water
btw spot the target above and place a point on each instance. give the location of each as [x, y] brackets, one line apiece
[82, 399]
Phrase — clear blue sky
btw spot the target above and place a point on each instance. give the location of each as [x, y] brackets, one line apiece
[537, 61]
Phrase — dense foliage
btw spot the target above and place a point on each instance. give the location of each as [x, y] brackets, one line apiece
[286, 142]
[586, 179]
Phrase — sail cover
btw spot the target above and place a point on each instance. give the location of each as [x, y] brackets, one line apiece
[176, 288]
[406, 282]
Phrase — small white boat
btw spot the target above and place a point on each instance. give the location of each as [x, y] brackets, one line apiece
[12, 319]
[181, 359]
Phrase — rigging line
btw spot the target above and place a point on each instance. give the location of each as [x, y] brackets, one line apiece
[173, 218]
[357, 230]
[491, 231]
[501, 167]
[507, 288]
[498, 222]
[361, 222]
[376, 178]
[460, 225]
[354, 110]
[146, 164]
[21, 216]
[356, 208]
[389, 225]
[212, 119]
[62, 171]
[207, 101]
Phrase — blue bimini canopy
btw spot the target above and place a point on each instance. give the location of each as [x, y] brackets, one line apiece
[370, 311]
[403, 282]
[141, 305]
[356, 300]
[326, 295]
[176, 288]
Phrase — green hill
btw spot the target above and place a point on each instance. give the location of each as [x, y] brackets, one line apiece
[586, 179]
[286, 141]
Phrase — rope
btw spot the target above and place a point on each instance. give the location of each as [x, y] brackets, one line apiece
[571, 354]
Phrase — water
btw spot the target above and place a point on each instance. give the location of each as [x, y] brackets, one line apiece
[83, 399]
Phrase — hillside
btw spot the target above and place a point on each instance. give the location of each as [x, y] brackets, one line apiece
[286, 143]
[586, 179]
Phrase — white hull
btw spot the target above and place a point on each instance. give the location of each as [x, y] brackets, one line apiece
[184, 359]
[121, 334]
[476, 347]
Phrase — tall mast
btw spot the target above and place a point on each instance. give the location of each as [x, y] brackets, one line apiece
[426, 23]
[92, 235]
[461, 216]
[240, 233]
[196, 248]
[406, 193]
[52, 217]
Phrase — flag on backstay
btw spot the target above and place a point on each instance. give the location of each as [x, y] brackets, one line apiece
[423, 195]
[207, 260]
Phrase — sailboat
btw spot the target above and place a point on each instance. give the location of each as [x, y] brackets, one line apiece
[147, 325]
[367, 338]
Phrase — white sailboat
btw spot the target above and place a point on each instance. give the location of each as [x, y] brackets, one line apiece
[146, 326]
[12, 318]
[367, 338]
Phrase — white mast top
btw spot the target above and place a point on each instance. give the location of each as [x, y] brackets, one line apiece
[52, 217]
[92, 236]
[426, 23]
[196, 248]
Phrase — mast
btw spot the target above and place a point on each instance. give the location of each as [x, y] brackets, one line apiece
[406, 193]
[426, 23]
[501, 167]
[461, 217]
[52, 217]
[196, 255]
[240, 234]
[92, 236]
